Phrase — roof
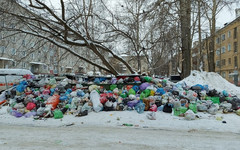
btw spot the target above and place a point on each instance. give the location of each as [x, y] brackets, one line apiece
[15, 71]
[4, 58]
[37, 63]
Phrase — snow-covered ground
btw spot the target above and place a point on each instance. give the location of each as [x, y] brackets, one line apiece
[118, 118]
[105, 130]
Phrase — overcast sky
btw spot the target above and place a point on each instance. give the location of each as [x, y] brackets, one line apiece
[226, 16]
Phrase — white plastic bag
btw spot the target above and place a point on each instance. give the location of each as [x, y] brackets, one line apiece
[95, 99]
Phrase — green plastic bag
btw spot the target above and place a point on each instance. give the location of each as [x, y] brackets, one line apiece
[193, 107]
[148, 79]
[142, 96]
[215, 100]
[147, 92]
[131, 91]
[123, 95]
[113, 86]
[57, 114]
[179, 111]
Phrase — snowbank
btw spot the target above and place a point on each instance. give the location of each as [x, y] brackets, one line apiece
[213, 80]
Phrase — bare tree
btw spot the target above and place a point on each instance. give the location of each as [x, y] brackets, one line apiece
[43, 21]
[212, 9]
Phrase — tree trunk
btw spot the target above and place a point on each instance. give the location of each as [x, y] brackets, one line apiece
[185, 21]
[212, 37]
[199, 35]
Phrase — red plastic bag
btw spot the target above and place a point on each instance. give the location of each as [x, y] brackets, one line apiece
[53, 100]
[30, 106]
[129, 87]
[153, 108]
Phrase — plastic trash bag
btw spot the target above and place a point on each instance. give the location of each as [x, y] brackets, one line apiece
[53, 101]
[114, 80]
[189, 115]
[52, 81]
[143, 86]
[160, 91]
[140, 107]
[193, 107]
[63, 98]
[238, 112]
[133, 103]
[213, 110]
[135, 88]
[80, 93]
[167, 108]
[95, 99]
[153, 108]
[96, 81]
[131, 91]
[16, 113]
[30, 114]
[152, 116]
[30, 106]
[57, 114]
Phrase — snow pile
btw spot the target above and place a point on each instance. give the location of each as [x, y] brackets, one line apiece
[213, 80]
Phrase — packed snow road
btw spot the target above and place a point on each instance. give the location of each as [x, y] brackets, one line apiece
[14, 137]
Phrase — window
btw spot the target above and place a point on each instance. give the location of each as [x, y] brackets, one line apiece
[223, 49]
[13, 39]
[218, 40]
[24, 53]
[229, 34]
[235, 47]
[2, 49]
[229, 47]
[218, 51]
[13, 63]
[33, 56]
[223, 74]
[235, 33]
[223, 62]
[235, 61]
[229, 61]
[1, 37]
[223, 37]
[2, 23]
[218, 63]
[23, 42]
[12, 26]
[32, 45]
[24, 65]
[13, 51]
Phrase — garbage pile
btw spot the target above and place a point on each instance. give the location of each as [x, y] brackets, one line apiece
[48, 98]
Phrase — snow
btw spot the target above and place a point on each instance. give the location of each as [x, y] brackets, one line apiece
[206, 122]
[15, 71]
[4, 58]
[213, 80]
[37, 63]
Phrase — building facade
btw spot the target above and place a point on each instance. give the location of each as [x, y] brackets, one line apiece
[226, 52]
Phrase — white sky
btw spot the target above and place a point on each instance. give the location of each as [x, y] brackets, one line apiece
[226, 15]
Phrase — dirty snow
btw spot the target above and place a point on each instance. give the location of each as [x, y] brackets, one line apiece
[118, 118]
[213, 80]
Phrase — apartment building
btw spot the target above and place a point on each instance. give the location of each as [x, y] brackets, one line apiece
[227, 52]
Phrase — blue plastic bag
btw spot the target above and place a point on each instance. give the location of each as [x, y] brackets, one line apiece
[140, 107]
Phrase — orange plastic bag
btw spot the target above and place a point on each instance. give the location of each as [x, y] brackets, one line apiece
[53, 100]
